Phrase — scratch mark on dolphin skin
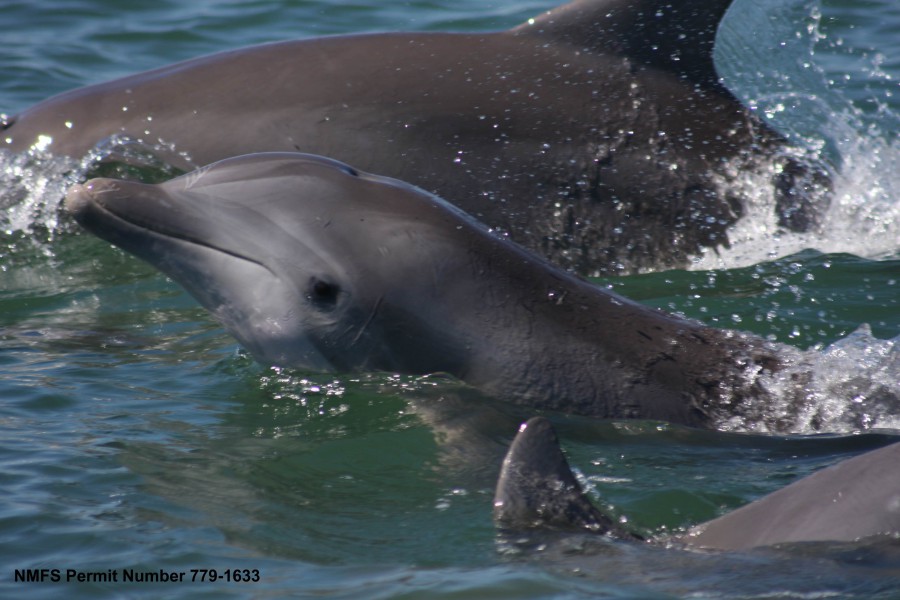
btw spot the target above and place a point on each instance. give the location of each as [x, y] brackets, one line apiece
[368, 321]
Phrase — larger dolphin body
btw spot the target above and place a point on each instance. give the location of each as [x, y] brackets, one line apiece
[597, 134]
[310, 263]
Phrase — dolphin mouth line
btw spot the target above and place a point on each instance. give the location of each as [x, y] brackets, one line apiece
[95, 201]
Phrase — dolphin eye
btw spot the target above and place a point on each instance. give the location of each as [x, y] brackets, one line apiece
[323, 293]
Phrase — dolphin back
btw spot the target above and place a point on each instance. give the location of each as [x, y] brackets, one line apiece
[854, 499]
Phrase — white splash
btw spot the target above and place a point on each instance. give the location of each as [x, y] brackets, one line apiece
[853, 385]
[800, 85]
[863, 217]
[32, 185]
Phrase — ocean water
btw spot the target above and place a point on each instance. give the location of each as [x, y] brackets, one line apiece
[136, 437]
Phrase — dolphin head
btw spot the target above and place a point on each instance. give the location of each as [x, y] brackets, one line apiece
[306, 261]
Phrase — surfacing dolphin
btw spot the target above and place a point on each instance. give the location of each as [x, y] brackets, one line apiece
[855, 499]
[597, 134]
[310, 263]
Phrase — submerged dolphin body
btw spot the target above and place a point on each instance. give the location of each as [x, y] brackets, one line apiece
[597, 134]
[852, 500]
[311, 263]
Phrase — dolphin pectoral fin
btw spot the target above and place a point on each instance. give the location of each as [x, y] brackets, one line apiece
[537, 489]
[672, 36]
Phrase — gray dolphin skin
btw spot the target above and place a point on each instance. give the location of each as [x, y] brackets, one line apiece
[310, 263]
[537, 488]
[596, 134]
[855, 499]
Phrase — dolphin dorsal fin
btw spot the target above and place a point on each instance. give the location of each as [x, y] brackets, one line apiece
[537, 488]
[671, 35]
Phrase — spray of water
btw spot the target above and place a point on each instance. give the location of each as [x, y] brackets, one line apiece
[863, 217]
[852, 385]
[31, 186]
[33, 183]
[796, 89]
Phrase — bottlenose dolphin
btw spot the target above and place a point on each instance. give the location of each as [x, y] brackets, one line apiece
[597, 134]
[311, 263]
[854, 499]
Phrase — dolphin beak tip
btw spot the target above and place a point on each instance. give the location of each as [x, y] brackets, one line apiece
[81, 196]
[78, 197]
